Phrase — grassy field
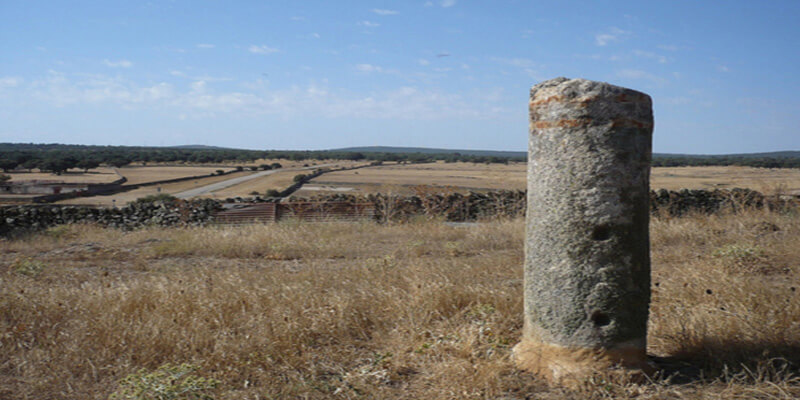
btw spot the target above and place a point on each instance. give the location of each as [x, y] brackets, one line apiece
[99, 175]
[407, 178]
[278, 181]
[136, 175]
[402, 178]
[464, 176]
[359, 310]
[124, 198]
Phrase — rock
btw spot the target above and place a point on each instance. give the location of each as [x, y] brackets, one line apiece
[587, 249]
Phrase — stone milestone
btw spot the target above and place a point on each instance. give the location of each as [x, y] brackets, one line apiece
[587, 260]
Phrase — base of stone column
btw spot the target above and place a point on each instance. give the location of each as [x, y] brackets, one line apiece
[573, 367]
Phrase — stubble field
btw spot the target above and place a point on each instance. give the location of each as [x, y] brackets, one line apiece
[469, 176]
[419, 310]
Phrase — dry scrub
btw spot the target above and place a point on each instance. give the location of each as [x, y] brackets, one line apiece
[419, 310]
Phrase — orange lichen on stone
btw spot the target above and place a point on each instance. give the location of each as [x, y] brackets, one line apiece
[550, 99]
[564, 123]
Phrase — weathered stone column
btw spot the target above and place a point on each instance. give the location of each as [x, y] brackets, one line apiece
[587, 249]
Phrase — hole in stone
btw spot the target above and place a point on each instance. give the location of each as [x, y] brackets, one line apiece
[600, 318]
[602, 232]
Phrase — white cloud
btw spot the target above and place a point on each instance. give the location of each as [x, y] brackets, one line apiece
[368, 68]
[723, 68]
[200, 100]
[262, 49]
[384, 12]
[447, 3]
[205, 46]
[428, 4]
[668, 47]
[650, 55]
[10, 82]
[613, 34]
[636, 74]
[296, 18]
[515, 62]
[423, 62]
[369, 24]
[118, 64]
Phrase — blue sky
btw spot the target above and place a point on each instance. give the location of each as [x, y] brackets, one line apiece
[448, 73]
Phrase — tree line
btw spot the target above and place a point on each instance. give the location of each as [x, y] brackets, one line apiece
[58, 158]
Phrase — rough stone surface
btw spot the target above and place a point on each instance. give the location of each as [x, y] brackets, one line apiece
[587, 254]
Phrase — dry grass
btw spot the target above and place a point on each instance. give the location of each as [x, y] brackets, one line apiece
[457, 175]
[278, 181]
[123, 198]
[761, 179]
[417, 311]
[98, 175]
[146, 174]
[463, 176]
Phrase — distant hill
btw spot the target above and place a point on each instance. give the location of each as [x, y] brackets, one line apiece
[496, 153]
[425, 150]
[773, 154]
[200, 147]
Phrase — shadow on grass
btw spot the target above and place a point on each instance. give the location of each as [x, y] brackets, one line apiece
[723, 359]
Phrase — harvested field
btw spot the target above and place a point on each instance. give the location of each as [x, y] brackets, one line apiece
[401, 178]
[138, 175]
[278, 181]
[761, 179]
[99, 175]
[124, 198]
[464, 176]
[359, 310]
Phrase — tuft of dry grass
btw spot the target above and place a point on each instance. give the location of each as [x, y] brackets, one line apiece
[360, 310]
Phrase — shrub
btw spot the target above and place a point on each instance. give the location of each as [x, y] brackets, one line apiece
[300, 178]
[220, 172]
[4, 178]
[168, 382]
[28, 266]
[239, 168]
[165, 197]
[273, 193]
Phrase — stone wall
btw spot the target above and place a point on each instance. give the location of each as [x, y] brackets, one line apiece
[451, 207]
[14, 219]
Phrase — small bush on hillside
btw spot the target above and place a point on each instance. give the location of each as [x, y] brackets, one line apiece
[220, 172]
[4, 178]
[168, 382]
[273, 193]
[300, 178]
[28, 266]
